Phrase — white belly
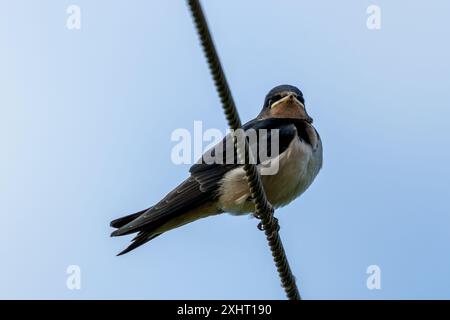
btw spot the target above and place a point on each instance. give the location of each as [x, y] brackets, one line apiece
[297, 168]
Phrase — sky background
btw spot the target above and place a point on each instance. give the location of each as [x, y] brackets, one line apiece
[86, 118]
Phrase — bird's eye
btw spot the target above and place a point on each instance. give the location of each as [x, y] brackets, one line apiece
[274, 99]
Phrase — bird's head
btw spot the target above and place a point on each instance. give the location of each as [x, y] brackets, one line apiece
[285, 101]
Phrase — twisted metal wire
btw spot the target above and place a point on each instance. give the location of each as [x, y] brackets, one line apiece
[263, 209]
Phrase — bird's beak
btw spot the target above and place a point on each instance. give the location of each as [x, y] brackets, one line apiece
[290, 102]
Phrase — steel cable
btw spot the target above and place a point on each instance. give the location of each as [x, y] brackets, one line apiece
[263, 209]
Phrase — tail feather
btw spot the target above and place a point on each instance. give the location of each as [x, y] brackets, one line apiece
[144, 235]
[186, 203]
[120, 222]
[141, 238]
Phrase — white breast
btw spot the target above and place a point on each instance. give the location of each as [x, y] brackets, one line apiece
[298, 165]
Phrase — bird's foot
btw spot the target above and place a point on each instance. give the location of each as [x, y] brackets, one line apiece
[275, 224]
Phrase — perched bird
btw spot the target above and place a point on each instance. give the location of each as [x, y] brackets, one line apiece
[215, 188]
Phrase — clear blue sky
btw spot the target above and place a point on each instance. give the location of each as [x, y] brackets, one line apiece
[85, 123]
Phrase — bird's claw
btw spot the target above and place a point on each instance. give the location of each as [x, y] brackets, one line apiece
[275, 223]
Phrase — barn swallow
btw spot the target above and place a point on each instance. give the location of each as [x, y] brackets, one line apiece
[214, 188]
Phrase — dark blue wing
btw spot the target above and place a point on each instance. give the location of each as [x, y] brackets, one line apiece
[202, 186]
